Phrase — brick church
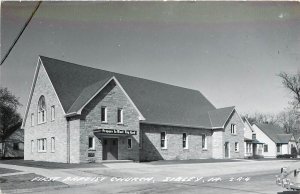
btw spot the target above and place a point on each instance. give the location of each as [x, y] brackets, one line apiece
[79, 114]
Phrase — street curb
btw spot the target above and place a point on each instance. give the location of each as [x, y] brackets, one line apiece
[37, 189]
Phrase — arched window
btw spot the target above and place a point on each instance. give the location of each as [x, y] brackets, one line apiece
[42, 110]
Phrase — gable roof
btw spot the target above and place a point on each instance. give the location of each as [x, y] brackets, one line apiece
[274, 132]
[219, 117]
[159, 103]
[12, 129]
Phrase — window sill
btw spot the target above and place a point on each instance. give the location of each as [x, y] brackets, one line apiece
[42, 151]
[41, 123]
[91, 149]
[164, 148]
[204, 149]
[185, 148]
[120, 124]
[104, 122]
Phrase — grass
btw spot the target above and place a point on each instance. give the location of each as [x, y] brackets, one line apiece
[50, 165]
[23, 181]
[6, 170]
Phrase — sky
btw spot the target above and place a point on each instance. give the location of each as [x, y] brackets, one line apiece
[230, 51]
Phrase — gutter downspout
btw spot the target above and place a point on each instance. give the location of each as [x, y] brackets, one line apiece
[68, 140]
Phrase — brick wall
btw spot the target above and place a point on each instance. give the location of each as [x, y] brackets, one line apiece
[56, 128]
[218, 143]
[113, 98]
[238, 137]
[151, 147]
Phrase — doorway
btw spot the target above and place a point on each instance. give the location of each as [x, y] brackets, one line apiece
[110, 149]
[227, 149]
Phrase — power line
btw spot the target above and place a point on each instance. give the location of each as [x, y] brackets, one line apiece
[21, 32]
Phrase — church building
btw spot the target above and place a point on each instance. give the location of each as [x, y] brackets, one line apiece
[79, 114]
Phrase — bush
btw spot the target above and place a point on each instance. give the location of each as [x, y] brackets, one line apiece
[286, 156]
[294, 151]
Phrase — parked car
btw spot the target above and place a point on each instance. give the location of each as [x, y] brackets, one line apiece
[289, 177]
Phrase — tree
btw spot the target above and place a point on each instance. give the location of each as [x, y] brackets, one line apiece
[262, 118]
[8, 111]
[289, 120]
[292, 83]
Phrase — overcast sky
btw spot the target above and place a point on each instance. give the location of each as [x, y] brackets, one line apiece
[230, 51]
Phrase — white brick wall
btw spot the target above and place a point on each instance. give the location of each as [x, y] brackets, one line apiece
[56, 128]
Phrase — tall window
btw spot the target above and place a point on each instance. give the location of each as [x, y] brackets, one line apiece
[32, 119]
[42, 145]
[52, 113]
[120, 116]
[42, 110]
[204, 142]
[103, 114]
[32, 146]
[184, 141]
[91, 143]
[163, 140]
[129, 143]
[265, 148]
[236, 146]
[233, 129]
[52, 144]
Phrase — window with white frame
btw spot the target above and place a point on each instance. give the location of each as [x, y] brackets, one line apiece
[42, 145]
[91, 143]
[233, 129]
[32, 146]
[129, 143]
[32, 119]
[120, 116]
[42, 114]
[184, 141]
[52, 144]
[204, 142]
[163, 140]
[236, 146]
[52, 113]
[103, 114]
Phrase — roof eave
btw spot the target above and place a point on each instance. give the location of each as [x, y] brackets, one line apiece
[179, 125]
[79, 112]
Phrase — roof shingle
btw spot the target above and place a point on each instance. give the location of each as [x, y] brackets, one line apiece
[159, 103]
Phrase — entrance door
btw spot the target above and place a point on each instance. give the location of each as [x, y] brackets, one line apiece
[254, 149]
[110, 149]
[226, 149]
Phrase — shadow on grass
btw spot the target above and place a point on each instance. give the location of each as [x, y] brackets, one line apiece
[51, 165]
[23, 181]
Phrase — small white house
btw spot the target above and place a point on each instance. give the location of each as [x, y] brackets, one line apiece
[252, 146]
[276, 142]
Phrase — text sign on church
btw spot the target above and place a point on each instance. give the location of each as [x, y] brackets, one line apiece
[116, 131]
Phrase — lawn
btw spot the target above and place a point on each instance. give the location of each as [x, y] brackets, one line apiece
[6, 170]
[50, 165]
[23, 181]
